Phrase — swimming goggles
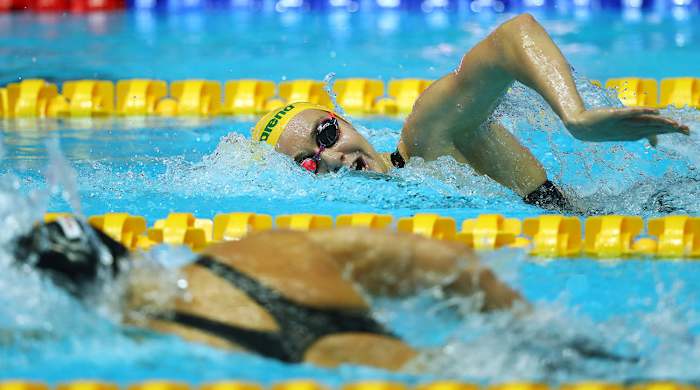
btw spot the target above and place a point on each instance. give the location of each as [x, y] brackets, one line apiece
[327, 134]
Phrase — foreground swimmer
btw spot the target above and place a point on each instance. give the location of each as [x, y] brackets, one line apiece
[453, 118]
[287, 295]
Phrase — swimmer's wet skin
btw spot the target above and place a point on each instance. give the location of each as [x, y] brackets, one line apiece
[280, 294]
[452, 117]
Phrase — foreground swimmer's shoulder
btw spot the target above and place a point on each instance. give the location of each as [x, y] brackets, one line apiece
[293, 264]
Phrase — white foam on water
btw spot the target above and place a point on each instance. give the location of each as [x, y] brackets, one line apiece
[630, 178]
[61, 177]
[242, 167]
[556, 343]
[611, 177]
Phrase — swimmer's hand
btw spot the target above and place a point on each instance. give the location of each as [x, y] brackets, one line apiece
[622, 124]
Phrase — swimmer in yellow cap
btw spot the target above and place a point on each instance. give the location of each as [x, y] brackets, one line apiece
[453, 118]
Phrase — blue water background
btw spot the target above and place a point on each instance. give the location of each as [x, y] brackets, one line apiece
[151, 166]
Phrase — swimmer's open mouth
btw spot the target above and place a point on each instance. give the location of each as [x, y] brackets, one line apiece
[359, 165]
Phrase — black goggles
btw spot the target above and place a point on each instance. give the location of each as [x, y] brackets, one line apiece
[327, 134]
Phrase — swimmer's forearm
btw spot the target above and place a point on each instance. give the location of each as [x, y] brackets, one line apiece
[528, 54]
[394, 263]
[391, 263]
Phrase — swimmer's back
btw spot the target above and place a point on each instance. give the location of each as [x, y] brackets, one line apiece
[293, 266]
[279, 295]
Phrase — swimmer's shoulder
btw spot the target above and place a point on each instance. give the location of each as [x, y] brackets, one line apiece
[290, 263]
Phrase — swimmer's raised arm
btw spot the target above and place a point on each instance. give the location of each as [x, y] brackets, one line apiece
[453, 116]
[386, 262]
[521, 50]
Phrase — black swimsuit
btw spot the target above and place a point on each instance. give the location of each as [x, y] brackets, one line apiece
[300, 326]
[78, 257]
[397, 159]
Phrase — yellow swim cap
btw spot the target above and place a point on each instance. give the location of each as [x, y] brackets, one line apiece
[271, 126]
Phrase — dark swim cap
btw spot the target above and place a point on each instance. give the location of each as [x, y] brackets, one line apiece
[73, 252]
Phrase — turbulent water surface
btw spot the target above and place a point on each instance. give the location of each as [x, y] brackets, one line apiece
[618, 320]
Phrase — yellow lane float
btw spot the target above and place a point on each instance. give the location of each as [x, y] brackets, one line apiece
[375, 385]
[299, 384]
[447, 385]
[234, 226]
[248, 97]
[196, 97]
[304, 222]
[680, 92]
[311, 91]
[429, 225]
[554, 235]
[406, 91]
[87, 385]
[368, 220]
[30, 98]
[89, 98]
[139, 96]
[612, 235]
[122, 227]
[591, 385]
[182, 229]
[491, 231]
[678, 235]
[357, 96]
[519, 386]
[231, 385]
[635, 92]
[22, 385]
[160, 385]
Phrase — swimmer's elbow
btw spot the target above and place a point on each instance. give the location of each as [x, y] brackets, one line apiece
[506, 42]
[525, 19]
[512, 31]
[521, 22]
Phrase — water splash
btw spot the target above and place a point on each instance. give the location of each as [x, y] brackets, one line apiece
[250, 169]
[328, 82]
[557, 343]
[41, 325]
[611, 177]
[61, 177]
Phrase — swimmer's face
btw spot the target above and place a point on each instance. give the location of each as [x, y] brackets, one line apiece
[351, 150]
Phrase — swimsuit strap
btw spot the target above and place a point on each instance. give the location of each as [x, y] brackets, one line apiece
[397, 159]
[264, 343]
[300, 325]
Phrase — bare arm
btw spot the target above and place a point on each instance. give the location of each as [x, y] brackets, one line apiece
[532, 58]
[521, 50]
[385, 262]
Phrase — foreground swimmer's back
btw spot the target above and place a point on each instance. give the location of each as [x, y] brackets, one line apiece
[277, 295]
[281, 294]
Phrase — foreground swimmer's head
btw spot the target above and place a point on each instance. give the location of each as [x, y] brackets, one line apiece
[317, 139]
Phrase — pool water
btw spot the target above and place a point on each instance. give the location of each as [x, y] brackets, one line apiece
[233, 44]
[642, 313]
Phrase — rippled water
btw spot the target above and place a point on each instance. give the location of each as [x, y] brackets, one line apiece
[617, 320]
[634, 319]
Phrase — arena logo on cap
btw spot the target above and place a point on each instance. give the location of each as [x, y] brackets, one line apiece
[274, 122]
